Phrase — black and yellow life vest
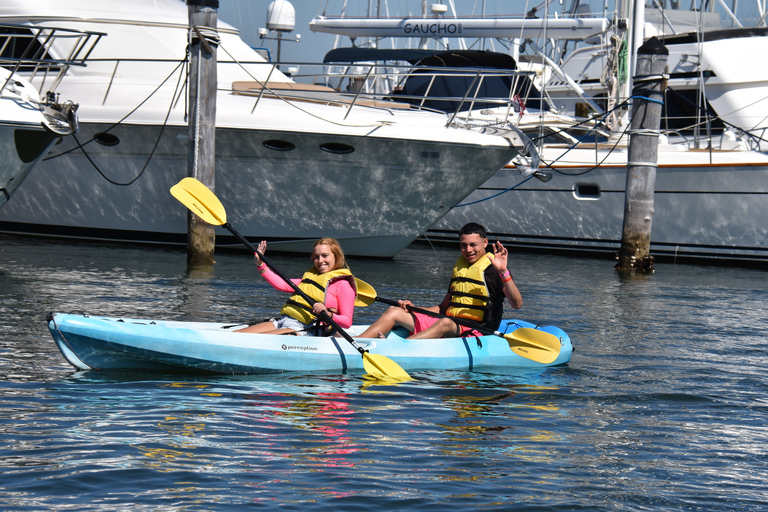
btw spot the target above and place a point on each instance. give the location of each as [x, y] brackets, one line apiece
[314, 284]
[470, 297]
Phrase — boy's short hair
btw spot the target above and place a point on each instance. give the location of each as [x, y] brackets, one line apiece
[472, 228]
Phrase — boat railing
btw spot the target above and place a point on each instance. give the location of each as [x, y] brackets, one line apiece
[44, 51]
[389, 86]
[358, 85]
[453, 91]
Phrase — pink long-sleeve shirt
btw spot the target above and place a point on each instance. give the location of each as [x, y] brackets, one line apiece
[339, 296]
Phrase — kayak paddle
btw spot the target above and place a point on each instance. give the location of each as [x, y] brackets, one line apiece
[200, 200]
[532, 344]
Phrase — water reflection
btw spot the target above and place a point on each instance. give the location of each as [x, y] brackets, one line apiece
[325, 417]
[195, 291]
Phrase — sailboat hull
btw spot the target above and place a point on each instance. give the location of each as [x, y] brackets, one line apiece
[701, 211]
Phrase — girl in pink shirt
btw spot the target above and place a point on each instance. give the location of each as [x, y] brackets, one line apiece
[329, 283]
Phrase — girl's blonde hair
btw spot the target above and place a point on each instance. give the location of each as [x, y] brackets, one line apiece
[335, 249]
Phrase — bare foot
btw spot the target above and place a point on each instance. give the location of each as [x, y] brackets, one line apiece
[381, 336]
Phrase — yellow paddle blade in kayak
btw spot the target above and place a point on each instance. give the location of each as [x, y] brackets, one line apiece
[198, 198]
[534, 344]
[380, 366]
[366, 294]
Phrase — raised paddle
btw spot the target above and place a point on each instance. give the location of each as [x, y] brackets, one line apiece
[198, 198]
[532, 344]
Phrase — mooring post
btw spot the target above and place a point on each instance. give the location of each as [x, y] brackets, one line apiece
[204, 40]
[647, 101]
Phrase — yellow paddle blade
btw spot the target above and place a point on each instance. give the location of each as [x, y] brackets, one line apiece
[537, 354]
[534, 344]
[198, 198]
[380, 366]
[366, 295]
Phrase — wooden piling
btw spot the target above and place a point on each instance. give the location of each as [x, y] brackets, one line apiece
[203, 18]
[647, 102]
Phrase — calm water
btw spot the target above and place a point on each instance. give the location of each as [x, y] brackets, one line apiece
[663, 406]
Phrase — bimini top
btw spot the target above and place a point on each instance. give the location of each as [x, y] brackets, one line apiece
[449, 58]
[447, 88]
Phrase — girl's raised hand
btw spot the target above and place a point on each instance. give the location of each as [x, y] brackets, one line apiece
[262, 249]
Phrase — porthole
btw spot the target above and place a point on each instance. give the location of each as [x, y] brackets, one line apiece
[337, 148]
[106, 139]
[279, 145]
[586, 191]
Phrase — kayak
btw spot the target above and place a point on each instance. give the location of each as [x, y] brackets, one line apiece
[127, 344]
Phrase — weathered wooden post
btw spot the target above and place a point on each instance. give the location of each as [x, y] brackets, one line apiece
[642, 158]
[201, 159]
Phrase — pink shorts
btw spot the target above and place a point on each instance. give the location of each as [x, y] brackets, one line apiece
[422, 322]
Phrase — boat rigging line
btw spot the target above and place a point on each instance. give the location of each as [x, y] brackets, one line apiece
[497, 194]
[183, 63]
[549, 165]
[81, 146]
[604, 115]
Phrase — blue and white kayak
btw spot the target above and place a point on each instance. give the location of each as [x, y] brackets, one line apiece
[127, 344]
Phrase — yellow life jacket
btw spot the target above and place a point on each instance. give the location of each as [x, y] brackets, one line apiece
[469, 292]
[314, 284]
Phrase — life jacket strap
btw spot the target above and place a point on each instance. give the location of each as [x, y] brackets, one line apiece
[300, 305]
[467, 280]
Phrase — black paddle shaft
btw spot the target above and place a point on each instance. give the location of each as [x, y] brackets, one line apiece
[460, 321]
[323, 315]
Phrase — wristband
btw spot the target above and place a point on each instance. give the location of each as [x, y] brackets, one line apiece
[261, 267]
[507, 279]
[505, 274]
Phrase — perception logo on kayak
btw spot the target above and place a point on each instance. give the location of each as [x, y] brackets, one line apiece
[297, 347]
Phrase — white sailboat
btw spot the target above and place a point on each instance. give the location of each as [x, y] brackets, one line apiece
[712, 178]
[288, 168]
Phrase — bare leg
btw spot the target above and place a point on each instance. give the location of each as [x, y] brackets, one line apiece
[284, 330]
[391, 317]
[264, 328]
[443, 327]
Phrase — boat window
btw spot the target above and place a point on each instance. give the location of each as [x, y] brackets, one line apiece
[106, 139]
[683, 113]
[279, 145]
[586, 191]
[337, 148]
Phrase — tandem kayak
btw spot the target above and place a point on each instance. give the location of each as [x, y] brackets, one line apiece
[127, 344]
